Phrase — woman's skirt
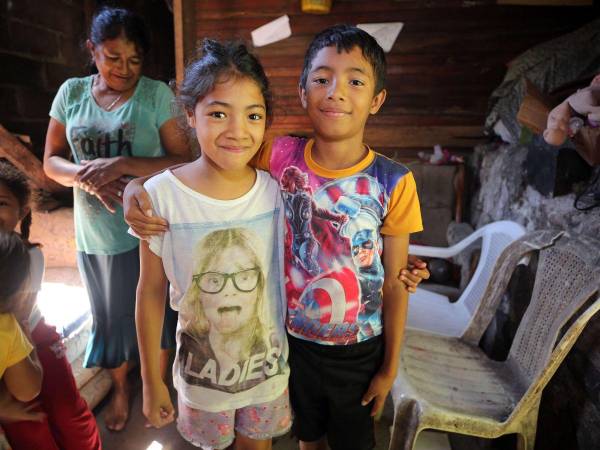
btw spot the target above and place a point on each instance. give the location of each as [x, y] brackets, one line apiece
[111, 282]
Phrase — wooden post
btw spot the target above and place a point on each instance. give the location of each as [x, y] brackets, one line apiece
[22, 158]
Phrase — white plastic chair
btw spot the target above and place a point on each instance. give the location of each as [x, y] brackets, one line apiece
[432, 312]
[449, 384]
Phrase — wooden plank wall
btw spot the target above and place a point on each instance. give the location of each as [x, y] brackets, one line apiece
[447, 60]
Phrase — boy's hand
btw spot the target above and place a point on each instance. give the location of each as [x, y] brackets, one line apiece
[157, 406]
[414, 273]
[378, 390]
[137, 209]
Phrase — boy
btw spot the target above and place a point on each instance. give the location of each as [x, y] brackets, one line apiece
[346, 302]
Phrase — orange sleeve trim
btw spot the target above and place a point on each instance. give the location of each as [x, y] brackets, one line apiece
[262, 159]
[404, 210]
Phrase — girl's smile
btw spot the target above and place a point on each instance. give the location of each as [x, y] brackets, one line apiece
[230, 123]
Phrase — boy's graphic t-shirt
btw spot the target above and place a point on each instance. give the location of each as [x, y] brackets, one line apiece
[223, 259]
[333, 245]
[132, 129]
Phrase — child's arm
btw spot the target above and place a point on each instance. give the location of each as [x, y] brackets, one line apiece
[23, 379]
[137, 209]
[149, 315]
[12, 410]
[395, 303]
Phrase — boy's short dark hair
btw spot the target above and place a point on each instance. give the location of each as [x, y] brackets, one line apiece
[346, 37]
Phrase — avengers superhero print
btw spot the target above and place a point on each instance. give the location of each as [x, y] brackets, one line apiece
[333, 267]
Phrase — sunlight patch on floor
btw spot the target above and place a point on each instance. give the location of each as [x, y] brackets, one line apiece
[63, 300]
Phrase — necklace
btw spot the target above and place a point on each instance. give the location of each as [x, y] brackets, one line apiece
[114, 102]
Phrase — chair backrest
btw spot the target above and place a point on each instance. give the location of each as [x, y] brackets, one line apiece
[495, 237]
[568, 275]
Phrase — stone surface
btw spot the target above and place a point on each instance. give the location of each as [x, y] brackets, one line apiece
[502, 194]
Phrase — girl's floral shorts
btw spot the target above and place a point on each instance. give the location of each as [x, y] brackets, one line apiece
[217, 430]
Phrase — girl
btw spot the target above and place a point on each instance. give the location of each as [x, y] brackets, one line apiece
[222, 257]
[69, 424]
[20, 372]
[115, 123]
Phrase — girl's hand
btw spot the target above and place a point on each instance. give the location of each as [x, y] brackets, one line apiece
[96, 173]
[137, 209]
[157, 406]
[414, 273]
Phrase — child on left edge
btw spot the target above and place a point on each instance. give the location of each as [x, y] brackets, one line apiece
[69, 424]
[20, 370]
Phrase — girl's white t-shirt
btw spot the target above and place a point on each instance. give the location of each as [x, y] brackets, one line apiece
[224, 261]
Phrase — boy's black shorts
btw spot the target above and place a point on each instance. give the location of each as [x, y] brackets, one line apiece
[327, 384]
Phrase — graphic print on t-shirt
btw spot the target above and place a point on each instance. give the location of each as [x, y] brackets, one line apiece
[335, 274]
[101, 139]
[227, 339]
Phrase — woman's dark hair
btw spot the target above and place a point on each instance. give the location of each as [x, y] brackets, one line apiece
[14, 268]
[346, 37]
[17, 184]
[111, 23]
[216, 61]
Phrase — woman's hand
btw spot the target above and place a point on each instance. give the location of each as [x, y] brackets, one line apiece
[111, 194]
[98, 172]
[137, 209]
[414, 273]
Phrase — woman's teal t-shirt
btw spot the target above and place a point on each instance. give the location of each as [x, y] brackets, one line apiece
[129, 130]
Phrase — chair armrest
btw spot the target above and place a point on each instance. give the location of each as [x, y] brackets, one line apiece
[444, 252]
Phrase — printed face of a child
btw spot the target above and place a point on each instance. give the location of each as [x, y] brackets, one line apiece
[230, 122]
[10, 210]
[339, 93]
[231, 308]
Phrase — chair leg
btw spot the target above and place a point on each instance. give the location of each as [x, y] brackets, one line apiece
[526, 437]
[406, 426]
